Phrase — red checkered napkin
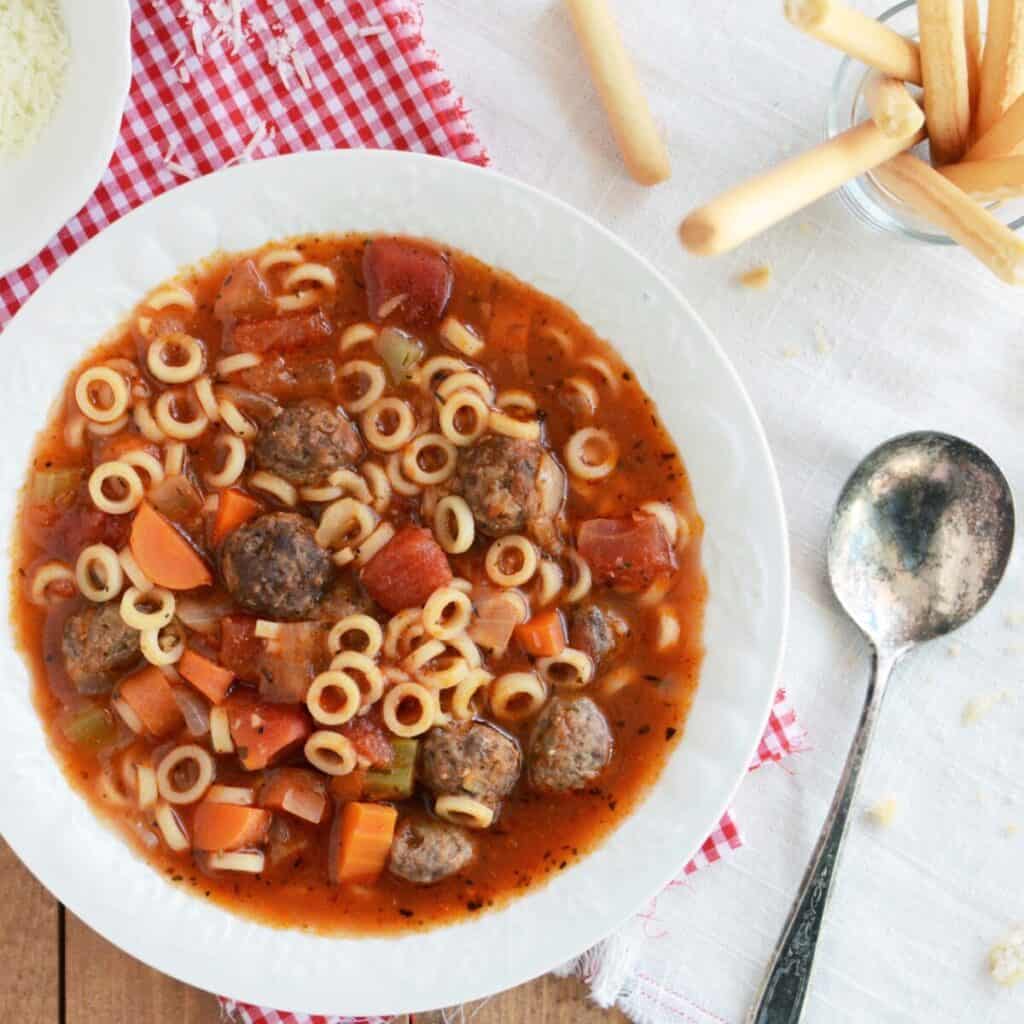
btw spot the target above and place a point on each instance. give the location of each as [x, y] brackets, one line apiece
[216, 82]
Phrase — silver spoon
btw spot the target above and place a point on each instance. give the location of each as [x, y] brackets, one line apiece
[918, 543]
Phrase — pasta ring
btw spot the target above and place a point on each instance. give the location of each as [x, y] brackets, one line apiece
[454, 525]
[149, 464]
[376, 383]
[276, 486]
[45, 576]
[404, 427]
[236, 363]
[175, 373]
[353, 661]
[342, 683]
[502, 423]
[461, 704]
[312, 273]
[234, 461]
[414, 472]
[463, 810]
[397, 479]
[331, 752]
[516, 543]
[335, 529]
[392, 704]
[460, 337]
[356, 334]
[438, 365]
[578, 665]
[517, 696]
[444, 626]
[576, 453]
[447, 418]
[177, 757]
[466, 379]
[379, 539]
[119, 395]
[370, 628]
[98, 573]
[153, 649]
[380, 486]
[180, 430]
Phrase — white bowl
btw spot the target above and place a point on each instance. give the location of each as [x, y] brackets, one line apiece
[562, 252]
[49, 183]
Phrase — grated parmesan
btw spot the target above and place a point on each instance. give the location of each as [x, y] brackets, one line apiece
[1006, 959]
[33, 60]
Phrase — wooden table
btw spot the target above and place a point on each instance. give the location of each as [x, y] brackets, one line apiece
[58, 971]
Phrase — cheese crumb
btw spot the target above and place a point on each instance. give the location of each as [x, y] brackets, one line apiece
[883, 814]
[1006, 959]
[33, 60]
[757, 278]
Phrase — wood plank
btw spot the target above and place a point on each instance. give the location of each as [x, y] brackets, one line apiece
[29, 946]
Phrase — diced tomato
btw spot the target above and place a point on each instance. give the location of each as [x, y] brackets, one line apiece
[241, 650]
[263, 733]
[289, 380]
[243, 295]
[627, 552]
[283, 332]
[395, 267]
[370, 739]
[288, 666]
[64, 530]
[407, 570]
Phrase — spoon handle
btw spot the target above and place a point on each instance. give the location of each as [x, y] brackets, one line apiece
[781, 997]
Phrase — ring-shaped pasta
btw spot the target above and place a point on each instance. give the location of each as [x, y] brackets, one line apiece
[559, 336]
[45, 577]
[380, 486]
[320, 495]
[516, 696]
[461, 583]
[174, 458]
[172, 296]
[179, 756]
[114, 382]
[303, 299]
[397, 698]
[405, 424]
[234, 461]
[419, 447]
[98, 573]
[279, 257]
[585, 390]
[655, 593]
[356, 334]
[461, 701]
[168, 345]
[376, 382]
[236, 363]
[235, 420]
[148, 427]
[666, 515]
[447, 613]
[436, 369]
[340, 683]
[603, 369]
[570, 669]
[460, 337]
[618, 679]
[551, 581]
[74, 431]
[352, 661]
[454, 525]
[467, 649]
[517, 401]
[276, 486]
[577, 449]
[220, 731]
[123, 366]
[138, 459]
[582, 578]
[138, 579]
[154, 650]
[380, 538]
[668, 632]
[514, 544]
[171, 827]
[145, 787]
[331, 752]
[128, 715]
[134, 616]
[464, 811]
[181, 430]
[442, 678]
[370, 629]
[345, 523]
[396, 629]
[350, 485]
[309, 273]
[455, 408]
[502, 423]
[468, 380]
[108, 429]
[396, 477]
[203, 388]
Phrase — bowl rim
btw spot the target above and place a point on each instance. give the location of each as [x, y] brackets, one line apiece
[522, 960]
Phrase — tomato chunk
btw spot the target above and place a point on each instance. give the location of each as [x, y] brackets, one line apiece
[407, 570]
[243, 295]
[627, 552]
[283, 332]
[370, 740]
[64, 530]
[241, 650]
[394, 267]
[263, 733]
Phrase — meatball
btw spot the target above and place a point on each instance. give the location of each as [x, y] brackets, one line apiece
[570, 746]
[273, 566]
[98, 647]
[472, 759]
[508, 483]
[345, 597]
[425, 852]
[595, 632]
[307, 441]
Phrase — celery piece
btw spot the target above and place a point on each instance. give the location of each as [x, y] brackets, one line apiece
[401, 353]
[395, 783]
[50, 484]
[91, 727]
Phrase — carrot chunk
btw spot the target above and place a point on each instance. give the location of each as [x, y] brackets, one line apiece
[150, 696]
[407, 570]
[163, 554]
[217, 827]
[209, 678]
[361, 841]
[264, 732]
[346, 788]
[544, 635]
[234, 508]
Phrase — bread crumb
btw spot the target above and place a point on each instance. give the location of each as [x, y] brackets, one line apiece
[1006, 959]
[757, 278]
[883, 814]
[978, 707]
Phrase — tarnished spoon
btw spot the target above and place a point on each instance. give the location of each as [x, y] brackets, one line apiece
[918, 543]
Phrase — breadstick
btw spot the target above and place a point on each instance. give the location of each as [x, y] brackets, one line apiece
[756, 205]
[947, 102]
[892, 107]
[1002, 66]
[989, 180]
[856, 34]
[621, 94]
[1004, 137]
[972, 40]
[951, 210]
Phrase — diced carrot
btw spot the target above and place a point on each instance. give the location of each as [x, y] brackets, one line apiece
[407, 570]
[346, 788]
[509, 329]
[263, 732]
[361, 841]
[163, 554]
[544, 635]
[217, 827]
[150, 696]
[209, 678]
[234, 508]
[297, 791]
[370, 738]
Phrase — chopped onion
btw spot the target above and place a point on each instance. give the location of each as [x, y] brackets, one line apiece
[204, 614]
[260, 407]
[195, 711]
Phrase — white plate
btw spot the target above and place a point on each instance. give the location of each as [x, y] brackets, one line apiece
[49, 183]
[562, 252]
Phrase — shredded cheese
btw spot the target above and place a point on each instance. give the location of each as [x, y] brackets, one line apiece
[1006, 959]
[33, 60]
[883, 814]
